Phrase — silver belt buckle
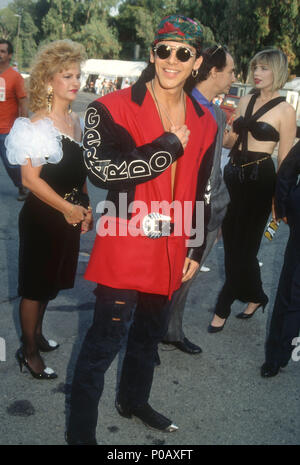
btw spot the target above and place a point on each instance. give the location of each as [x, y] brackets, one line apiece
[156, 225]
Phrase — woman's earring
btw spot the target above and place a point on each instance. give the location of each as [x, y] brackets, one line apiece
[195, 73]
[49, 98]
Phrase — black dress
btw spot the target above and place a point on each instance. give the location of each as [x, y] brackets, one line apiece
[250, 178]
[49, 246]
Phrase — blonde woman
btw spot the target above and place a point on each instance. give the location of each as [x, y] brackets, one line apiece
[48, 148]
[262, 120]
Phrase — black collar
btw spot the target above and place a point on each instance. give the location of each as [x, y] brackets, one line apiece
[138, 93]
[197, 107]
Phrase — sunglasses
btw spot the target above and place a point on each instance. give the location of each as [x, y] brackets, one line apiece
[218, 47]
[183, 54]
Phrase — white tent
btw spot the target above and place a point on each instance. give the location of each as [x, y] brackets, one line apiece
[293, 85]
[111, 69]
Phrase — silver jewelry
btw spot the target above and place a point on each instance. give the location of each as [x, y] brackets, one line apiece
[163, 107]
[156, 225]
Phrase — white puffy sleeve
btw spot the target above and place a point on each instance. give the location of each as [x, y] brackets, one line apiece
[40, 141]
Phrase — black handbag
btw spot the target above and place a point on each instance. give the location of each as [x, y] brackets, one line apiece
[77, 198]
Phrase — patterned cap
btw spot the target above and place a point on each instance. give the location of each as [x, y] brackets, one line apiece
[180, 29]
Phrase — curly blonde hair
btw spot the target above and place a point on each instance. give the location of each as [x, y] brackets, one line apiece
[51, 59]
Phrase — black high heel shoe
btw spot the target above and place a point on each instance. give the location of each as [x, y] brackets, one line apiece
[246, 316]
[43, 344]
[215, 329]
[47, 373]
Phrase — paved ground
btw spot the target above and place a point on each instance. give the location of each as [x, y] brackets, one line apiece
[216, 398]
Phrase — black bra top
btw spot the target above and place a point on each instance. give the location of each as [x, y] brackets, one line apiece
[259, 129]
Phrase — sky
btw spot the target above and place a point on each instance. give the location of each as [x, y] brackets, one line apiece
[4, 3]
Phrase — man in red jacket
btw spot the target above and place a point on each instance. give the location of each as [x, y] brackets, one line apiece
[152, 147]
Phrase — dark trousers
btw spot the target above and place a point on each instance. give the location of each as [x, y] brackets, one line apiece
[179, 298]
[113, 313]
[251, 189]
[13, 171]
[285, 321]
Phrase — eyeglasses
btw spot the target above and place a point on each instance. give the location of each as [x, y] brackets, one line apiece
[183, 54]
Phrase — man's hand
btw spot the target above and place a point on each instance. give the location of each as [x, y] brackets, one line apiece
[87, 223]
[182, 132]
[273, 210]
[189, 269]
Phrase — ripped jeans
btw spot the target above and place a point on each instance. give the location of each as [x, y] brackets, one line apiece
[114, 310]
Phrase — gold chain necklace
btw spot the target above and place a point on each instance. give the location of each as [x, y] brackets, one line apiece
[68, 122]
[163, 107]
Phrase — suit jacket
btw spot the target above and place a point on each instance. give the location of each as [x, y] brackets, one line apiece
[216, 187]
[216, 194]
[287, 185]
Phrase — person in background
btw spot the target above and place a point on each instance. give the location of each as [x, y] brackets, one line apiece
[48, 147]
[215, 76]
[262, 120]
[92, 87]
[98, 85]
[13, 103]
[285, 321]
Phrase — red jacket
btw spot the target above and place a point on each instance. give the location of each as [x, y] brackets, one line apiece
[127, 151]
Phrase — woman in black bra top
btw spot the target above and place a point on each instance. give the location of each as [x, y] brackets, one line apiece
[262, 120]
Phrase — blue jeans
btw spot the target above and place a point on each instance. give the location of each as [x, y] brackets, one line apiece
[114, 310]
[13, 171]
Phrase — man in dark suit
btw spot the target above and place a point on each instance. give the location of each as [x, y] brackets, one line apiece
[285, 322]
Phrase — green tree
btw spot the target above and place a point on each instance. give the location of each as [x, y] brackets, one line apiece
[8, 24]
[27, 45]
[250, 25]
[283, 27]
[20, 12]
[99, 40]
[87, 21]
[58, 23]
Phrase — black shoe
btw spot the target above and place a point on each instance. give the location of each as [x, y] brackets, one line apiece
[77, 442]
[185, 346]
[246, 316]
[148, 416]
[268, 370]
[47, 373]
[23, 193]
[43, 344]
[215, 329]
[46, 345]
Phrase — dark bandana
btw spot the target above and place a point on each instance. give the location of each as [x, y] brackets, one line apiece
[180, 29]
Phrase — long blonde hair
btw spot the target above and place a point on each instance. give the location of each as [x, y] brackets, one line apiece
[51, 59]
